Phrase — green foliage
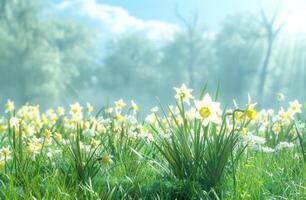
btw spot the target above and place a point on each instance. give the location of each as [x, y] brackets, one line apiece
[195, 155]
[262, 176]
[301, 135]
[195, 162]
[82, 160]
[131, 60]
[39, 55]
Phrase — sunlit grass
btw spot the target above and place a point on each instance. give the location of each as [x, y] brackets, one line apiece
[191, 150]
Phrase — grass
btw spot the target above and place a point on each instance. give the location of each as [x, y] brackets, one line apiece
[181, 152]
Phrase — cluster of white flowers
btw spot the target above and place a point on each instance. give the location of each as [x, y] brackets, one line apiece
[254, 140]
[284, 145]
[38, 135]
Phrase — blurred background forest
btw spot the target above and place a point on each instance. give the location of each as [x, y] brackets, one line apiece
[59, 52]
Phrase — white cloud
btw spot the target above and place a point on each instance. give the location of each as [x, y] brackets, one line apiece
[116, 20]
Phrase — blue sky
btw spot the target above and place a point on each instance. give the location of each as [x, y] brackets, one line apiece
[157, 19]
[211, 12]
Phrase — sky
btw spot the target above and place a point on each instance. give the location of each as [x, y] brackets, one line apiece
[164, 10]
[157, 18]
[210, 11]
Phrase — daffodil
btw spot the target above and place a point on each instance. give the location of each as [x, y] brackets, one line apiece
[50, 113]
[101, 128]
[94, 143]
[207, 110]
[5, 152]
[33, 148]
[120, 104]
[295, 107]
[285, 116]
[9, 106]
[151, 119]
[183, 94]
[250, 111]
[134, 106]
[106, 160]
[109, 110]
[29, 130]
[280, 97]
[76, 110]
[47, 133]
[90, 108]
[60, 111]
[119, 117]
[276, 128]
[44, 119]
[14, 121]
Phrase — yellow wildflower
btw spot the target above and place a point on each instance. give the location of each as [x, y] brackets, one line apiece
[120, 104]
[106, 160]
[90, 108]
[9, 106]
[277, 128]
[134, 106]
[119, 117]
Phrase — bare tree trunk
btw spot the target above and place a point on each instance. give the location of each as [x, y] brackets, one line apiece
[191, 26]
[271, 35]
[264, 71]
[191, 59]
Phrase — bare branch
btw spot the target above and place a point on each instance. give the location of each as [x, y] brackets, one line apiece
[277, 9]
[183, 20]
[276, 32]
[265, 21]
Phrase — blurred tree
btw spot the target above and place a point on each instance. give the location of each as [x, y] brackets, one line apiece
[238, 49]
[39, 55]
[271, 32]
[130, 62]
[189, 56]
[194, 45]
[177, 55]
[287, 72]
[191, 43]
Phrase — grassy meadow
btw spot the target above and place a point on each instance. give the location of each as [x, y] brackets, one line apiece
[193, 149]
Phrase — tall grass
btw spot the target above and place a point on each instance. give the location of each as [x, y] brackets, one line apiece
[113, 155]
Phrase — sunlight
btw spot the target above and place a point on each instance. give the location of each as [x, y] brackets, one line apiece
[293, 15]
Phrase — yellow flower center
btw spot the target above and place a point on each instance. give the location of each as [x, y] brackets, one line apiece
[251, 113]
[135, 108]
[74, 110]
[294, 108]
[277, 128]
[6, 153]
[183, 95]
[106, 160]
[204, 112]
[119, 117]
